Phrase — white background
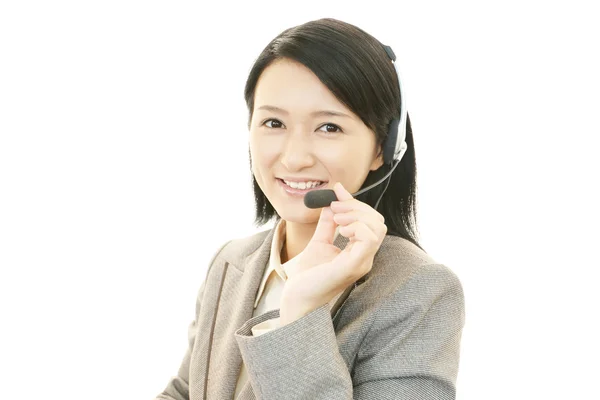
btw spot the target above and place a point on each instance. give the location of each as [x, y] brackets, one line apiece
[124, 165]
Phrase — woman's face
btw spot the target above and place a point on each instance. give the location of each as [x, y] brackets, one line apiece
[296, 143]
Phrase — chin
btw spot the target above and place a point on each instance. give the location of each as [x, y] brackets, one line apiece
[299, 214]
[292, 208]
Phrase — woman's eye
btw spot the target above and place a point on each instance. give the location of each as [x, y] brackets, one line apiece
[331, 128]
[275, 123]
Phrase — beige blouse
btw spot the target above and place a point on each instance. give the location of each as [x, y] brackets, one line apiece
[269, 292]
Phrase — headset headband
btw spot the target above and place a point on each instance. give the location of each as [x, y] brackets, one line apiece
[395, 146]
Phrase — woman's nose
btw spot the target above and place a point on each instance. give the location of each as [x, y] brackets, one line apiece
[297, 152]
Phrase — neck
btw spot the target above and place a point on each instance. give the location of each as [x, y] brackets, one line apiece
[297, 236]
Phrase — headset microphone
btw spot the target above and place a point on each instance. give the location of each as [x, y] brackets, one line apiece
[394, 148]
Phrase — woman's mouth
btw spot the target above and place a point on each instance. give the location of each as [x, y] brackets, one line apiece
[295, 188]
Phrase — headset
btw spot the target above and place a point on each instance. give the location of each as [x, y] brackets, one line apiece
[394, 148]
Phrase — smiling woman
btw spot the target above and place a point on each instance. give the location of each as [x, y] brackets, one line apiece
[342, 301]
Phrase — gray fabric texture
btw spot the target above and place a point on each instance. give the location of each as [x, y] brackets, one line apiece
[395, 334]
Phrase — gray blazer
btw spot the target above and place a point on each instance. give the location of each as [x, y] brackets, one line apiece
[394, 334]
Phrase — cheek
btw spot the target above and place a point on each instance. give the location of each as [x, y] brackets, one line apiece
[263, 155]
[350, 167]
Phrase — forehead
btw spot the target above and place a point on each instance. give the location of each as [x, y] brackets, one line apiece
[292, 86]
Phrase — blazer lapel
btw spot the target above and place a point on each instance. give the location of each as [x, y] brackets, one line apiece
[235, 305]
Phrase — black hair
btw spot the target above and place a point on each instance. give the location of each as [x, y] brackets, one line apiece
[356, 69]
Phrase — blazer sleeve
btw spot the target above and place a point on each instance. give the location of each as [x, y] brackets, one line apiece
[178, 387]
[410, 351]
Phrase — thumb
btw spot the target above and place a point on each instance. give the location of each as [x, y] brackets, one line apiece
[325, 227]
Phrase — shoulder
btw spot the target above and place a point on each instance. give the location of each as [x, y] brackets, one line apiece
[237, 249]
[411, 310]
[402, 267]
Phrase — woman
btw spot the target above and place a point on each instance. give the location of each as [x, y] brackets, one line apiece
[333, 302]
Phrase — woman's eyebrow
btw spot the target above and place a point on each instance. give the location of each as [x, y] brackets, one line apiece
[322, 113]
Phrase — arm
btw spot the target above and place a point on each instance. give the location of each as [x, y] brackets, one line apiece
[411, 350]
[178, 387]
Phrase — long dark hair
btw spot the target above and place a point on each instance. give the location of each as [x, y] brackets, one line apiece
[356, 69]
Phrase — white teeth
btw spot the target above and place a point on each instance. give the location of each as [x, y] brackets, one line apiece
[303, 185]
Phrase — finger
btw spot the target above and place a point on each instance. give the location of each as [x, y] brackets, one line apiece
[373, 222]
[341, 192]
[364, 242]
[359, 231]
[326, 227]
[354, 204]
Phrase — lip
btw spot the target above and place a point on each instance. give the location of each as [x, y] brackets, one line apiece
[303, 179]
[298, 192]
